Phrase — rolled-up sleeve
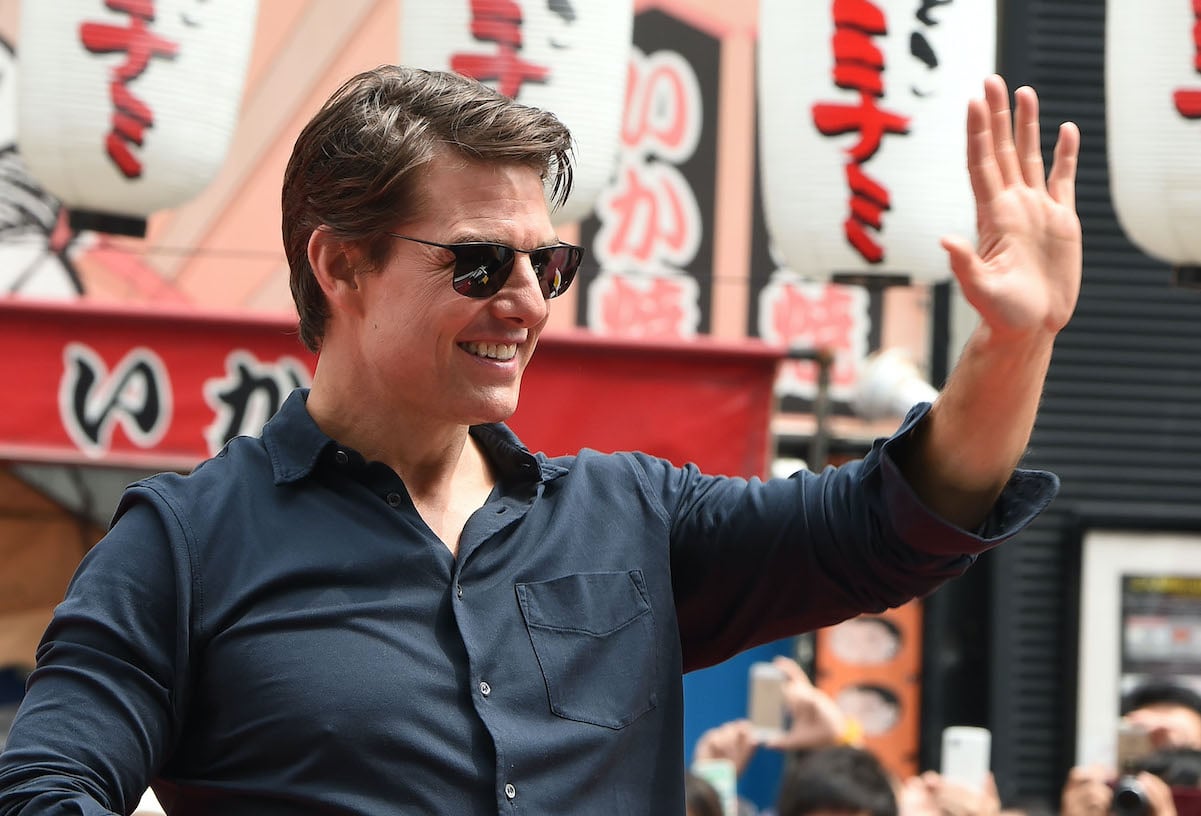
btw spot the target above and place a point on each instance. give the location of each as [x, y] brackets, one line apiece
[754, 561]
[1026, 494]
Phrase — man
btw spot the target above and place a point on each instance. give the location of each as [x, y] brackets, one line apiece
[1167, 720]
[839, 780]
[387, 605]
[1168, 712]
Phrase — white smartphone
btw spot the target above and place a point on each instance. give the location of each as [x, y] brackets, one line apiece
[765, 704]
[966, 755]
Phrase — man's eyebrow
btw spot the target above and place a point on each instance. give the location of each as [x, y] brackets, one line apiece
[478, 238]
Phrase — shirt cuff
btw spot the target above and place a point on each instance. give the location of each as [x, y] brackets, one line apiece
[1026, 494]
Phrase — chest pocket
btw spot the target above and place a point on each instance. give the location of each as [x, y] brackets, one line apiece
[594, 635]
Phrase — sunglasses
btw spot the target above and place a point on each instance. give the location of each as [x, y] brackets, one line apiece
[482, 268]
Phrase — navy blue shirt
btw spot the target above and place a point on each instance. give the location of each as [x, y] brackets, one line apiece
[280, 633]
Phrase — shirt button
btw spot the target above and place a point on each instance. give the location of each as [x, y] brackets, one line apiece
[341, 458]
[459, 590]
[394, 499]
[510, 791]
[485, 689]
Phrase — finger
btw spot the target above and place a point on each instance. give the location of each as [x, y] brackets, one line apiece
[982, 168]
[744, 732]
[1159, 795]
[1001, 122]
[1029, 138]
[792, 670]
[990, 786]
[1061, 183]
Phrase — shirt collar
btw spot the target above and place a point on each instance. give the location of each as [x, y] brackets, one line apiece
[293, 440]
[295, 444]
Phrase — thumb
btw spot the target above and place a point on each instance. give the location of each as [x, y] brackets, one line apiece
[965, 265]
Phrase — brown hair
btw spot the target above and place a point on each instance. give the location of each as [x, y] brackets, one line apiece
[356, 166]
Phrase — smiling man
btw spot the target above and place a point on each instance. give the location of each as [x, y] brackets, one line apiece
[387, 604]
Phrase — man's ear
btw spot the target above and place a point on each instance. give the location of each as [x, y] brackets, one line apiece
[336, 265]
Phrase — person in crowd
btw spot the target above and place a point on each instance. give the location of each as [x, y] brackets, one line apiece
[932, 794]
[1167, 716]
[839, 780]
[1090, 791]
[700, 798]
[1168, 711]
[387, 604]
[1179, 767]
[814, 721]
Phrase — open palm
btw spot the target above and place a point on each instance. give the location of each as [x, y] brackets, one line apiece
[1023, 277]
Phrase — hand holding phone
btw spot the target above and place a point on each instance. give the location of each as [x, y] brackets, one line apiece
[966, 755]
[1134, 745]
[766, 708]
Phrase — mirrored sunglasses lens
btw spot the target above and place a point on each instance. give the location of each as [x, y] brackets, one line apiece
[481, 270]
[556, 268]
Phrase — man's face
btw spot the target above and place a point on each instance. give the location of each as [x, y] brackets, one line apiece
[1169, 725]
[436, 355]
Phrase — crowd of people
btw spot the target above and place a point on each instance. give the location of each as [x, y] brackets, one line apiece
[828, 771]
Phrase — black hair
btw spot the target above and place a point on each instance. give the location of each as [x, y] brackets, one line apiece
[841, 778]
[700, 798]
[1161, 691]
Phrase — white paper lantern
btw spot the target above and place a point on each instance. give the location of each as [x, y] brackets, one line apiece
[570, 58]
[127, 107]
[862, 111]
[1153, 117]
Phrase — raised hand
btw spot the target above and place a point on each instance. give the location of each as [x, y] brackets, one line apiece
[816, 720]
[734, 740]
[1023, 277]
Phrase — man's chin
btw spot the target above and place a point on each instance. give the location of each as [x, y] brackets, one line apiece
[500, 409]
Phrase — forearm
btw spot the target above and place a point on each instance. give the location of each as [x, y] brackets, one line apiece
[979, 427]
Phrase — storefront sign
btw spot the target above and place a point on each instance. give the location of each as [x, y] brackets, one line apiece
[156, 390]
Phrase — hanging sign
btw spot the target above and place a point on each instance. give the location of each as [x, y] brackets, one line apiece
[570, 58]
[126, 107]
[1153, 120]
[862, 137]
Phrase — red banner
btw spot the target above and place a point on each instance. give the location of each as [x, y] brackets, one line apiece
[162, 390]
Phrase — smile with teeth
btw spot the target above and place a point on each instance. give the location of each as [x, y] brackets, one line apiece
[493, 351]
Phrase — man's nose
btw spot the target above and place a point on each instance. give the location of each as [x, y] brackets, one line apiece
[521, 297]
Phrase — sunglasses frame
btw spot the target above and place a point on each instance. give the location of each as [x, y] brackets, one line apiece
[502, 272]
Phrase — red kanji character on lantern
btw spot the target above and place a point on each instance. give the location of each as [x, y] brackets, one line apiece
[131, 116]
[499, 21]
